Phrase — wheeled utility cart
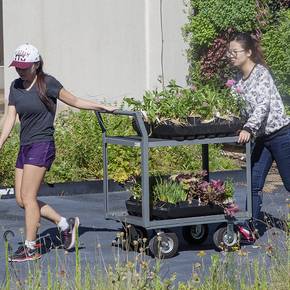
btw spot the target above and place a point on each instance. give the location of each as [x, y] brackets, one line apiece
[164, 242]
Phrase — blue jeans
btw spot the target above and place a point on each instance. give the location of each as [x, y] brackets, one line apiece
[264, 153]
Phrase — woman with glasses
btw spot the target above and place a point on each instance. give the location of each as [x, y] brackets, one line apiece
[267, 123]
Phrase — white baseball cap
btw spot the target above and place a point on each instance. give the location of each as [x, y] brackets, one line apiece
[25, 56]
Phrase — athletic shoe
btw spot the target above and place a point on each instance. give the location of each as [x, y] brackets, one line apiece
[68, 236]
[23, 254]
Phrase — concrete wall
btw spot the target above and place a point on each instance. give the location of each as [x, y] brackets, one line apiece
[1, 77]
[99, 48]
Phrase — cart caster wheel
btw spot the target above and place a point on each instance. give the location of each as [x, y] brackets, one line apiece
[164, 245]
[195, 234]
[224, 241]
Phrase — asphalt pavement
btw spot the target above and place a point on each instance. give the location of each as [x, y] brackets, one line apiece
[96, 233]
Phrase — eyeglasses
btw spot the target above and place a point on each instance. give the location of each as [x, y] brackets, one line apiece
[233, 53]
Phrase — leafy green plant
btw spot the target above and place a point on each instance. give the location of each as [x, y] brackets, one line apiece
[173, 102]
[134, 187]
[8, 157]
[229, 188]
[210, 24]
[177, 104]
[287, 108]
[276, 47]
[168, 191]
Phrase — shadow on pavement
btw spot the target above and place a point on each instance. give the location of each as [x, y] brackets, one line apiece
[268, 221]
[50, 238]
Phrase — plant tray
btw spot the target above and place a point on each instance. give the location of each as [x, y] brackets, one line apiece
[174, 131]
[192, 129]
[171, 211]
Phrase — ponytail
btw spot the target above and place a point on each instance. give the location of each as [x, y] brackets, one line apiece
[41, 87]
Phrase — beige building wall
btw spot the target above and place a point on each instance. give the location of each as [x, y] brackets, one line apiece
[99, 48]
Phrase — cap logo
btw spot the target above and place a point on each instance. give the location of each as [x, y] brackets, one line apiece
[21, 55]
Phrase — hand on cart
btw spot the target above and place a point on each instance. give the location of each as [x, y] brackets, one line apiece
[244, 137]
[107, 109]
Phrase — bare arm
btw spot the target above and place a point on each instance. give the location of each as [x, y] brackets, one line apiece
[68, 98]
[8, 124]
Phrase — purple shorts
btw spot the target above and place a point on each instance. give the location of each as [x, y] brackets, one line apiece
[39, 154]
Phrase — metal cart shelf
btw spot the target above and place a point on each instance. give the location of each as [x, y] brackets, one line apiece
[145, 143]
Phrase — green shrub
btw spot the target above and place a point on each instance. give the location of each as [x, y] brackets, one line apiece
[211, 17]
[8, 155]
[210, 23]
[287, 110]
[79, 148]
[276, 46]
[79, 152]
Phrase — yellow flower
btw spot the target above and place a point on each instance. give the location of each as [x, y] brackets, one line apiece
[201, 253]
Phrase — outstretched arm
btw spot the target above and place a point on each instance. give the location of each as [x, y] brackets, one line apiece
[71, 100]
[8, 124]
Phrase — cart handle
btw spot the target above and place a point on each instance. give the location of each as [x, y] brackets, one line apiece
[135, 114]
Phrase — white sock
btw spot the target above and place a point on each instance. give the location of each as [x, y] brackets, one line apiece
[63, 224]
[30, 244]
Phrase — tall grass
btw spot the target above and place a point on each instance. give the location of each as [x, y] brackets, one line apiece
[227, 271]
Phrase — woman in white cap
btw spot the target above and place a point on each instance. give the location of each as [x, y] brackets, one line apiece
[33, 97]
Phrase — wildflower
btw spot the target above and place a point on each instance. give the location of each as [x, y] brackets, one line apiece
[230, 83]
[201, 253]
[242, 253]
[269, 250]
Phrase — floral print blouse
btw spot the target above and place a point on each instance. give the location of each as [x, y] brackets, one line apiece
[264, 109]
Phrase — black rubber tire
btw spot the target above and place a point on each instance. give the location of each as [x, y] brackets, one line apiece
[195, 234]
[164, 245]
[223, 242]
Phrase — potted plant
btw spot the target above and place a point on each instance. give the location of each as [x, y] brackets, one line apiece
[185, 195]
[179, 113]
